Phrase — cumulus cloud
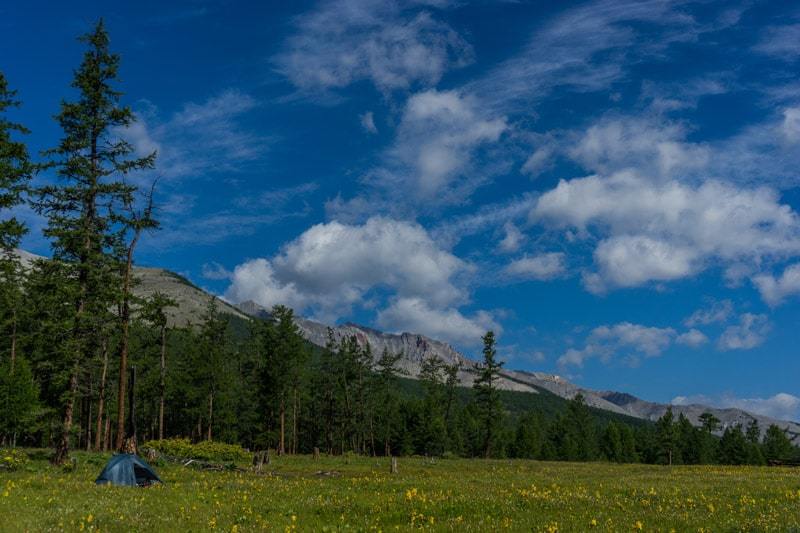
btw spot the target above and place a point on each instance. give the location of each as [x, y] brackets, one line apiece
[538, 267]
[781, 406]
[750, 332]
[774, 290]
[692, 338]
[436, 141]
[661, 231]
[394, 45]
[415, 315]
[605, 341]
[332, 267]
[619, 143]
[629, 340]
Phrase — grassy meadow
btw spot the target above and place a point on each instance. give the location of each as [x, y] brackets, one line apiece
[359, 494]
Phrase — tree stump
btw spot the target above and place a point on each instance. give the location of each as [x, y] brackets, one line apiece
[316, 453]
[260, 459]
[151, 454]
[393, 469]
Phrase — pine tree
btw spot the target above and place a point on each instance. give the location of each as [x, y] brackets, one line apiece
[486, 396]
[733, 446]
[154, 311]
[84, 216]
[16, 170]
[612, 443]
[212, 362]
[433, 428]
[529, 436]
[579, 425]
[18, 399]
[387, 373]
[667, 438]
[777, 446]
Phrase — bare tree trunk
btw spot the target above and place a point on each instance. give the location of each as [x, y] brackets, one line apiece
[163, 382]
[13, 339]
[210, 413]
[122, 392]
[125, 314]
[62, 448]
[101, 400]
[89, 418]
[107, 433]
[282, 447]
[294, 421]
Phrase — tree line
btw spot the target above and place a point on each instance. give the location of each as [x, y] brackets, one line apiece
[72, 326]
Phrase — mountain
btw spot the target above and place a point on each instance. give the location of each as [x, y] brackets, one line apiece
[418, 347]
[192, 302]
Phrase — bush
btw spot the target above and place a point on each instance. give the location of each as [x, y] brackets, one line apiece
[12, 459]
[205, 451]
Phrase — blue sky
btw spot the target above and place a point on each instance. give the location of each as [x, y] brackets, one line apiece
[610, 186]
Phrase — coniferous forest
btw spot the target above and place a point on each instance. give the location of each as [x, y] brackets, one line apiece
[73, 329]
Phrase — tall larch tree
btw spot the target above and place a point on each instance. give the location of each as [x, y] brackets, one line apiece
[16, 170]
[486, 396]
[85, 209]
[155, 312]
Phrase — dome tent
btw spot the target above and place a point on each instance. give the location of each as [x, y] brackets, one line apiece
[127, 469]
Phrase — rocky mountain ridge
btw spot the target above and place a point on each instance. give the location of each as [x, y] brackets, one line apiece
[418, 347]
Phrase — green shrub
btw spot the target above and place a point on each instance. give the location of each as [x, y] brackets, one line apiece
[204, 451]
[12, 459]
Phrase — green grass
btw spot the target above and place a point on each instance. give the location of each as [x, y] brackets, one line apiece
[359, 494]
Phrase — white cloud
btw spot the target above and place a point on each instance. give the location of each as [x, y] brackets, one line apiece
[614, 144]
[718, 312]
[513, 238]
[455, 228]
[791, 124]
[692, 338]
[775, 290]
[433, 160]
[782, 42]
[393, 44]
[750, 332]
[539, 267]
[332, 267]
[215, 271]
[630, 341]
[781, 406]
[585, 49]
[606, 341]
[650, 341]
[199, 138]
[368, 122]
[541, 159]
[633, 260]
[415, 315]
[660, 231]
[437, 137]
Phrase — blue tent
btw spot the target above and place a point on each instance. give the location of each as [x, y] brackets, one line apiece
[129, 470]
